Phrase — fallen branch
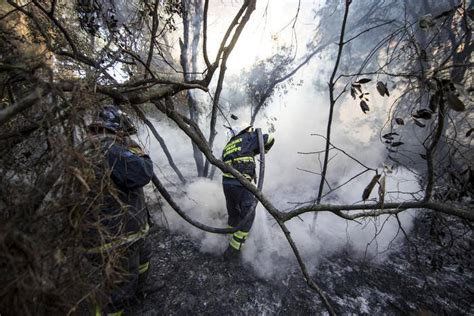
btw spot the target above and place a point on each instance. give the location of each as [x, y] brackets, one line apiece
[380, 209]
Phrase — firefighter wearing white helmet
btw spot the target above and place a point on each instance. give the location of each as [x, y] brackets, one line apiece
[240, 152]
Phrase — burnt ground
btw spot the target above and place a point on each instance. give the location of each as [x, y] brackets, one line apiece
[427, 275]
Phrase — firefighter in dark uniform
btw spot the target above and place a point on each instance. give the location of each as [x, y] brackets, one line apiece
[122, 212]
[240, 153]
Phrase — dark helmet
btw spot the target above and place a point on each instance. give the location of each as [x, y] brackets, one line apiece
[113, 119]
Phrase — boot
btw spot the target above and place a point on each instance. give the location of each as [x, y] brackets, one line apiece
[231, 254]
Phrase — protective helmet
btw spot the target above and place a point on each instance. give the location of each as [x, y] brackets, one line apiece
[241, 127]
[114, 120]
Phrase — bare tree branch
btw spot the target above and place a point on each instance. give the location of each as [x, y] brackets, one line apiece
[160, 139]
[332, 103]
[248, 7]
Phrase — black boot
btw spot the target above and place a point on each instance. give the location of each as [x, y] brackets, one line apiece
[231, 254]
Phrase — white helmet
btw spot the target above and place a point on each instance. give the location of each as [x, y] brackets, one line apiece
[242, 126]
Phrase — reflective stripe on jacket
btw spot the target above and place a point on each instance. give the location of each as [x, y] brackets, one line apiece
[239, 152]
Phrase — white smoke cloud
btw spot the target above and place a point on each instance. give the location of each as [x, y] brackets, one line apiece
[203, 199]
[300, 113]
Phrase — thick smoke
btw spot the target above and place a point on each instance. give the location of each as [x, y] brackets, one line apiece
[286, 184]
[290, 178]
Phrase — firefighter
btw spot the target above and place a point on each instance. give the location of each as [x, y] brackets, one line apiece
[123, 217]
[240, 152]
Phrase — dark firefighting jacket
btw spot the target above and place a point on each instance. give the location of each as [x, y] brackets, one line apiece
[122, 213]
[240, 153]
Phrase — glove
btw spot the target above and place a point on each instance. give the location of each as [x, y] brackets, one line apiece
[133, 147]
[137, 151]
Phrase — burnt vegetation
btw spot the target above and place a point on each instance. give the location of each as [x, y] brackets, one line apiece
[61, 60]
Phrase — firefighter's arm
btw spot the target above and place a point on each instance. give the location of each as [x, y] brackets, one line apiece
[130, 167]
[268, 141]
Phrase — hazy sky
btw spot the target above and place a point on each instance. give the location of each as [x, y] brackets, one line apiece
[270, 25]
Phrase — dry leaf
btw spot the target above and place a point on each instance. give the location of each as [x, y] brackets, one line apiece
[382, 89]
[363, 80]
[454, 102]
[390, 135]
[423, 114]
[364, 106]
[399, 121]
[353, 93]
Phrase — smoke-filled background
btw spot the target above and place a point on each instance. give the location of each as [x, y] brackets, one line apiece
[62, 61]
[291, 165]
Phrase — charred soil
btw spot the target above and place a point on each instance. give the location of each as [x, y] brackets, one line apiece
[409, 280]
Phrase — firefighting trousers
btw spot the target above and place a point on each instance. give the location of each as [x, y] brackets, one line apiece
[240, 202]
[132, 271]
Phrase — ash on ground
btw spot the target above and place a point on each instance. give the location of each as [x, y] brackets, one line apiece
[425, 275]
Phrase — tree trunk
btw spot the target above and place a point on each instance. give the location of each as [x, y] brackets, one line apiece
[190, 65]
